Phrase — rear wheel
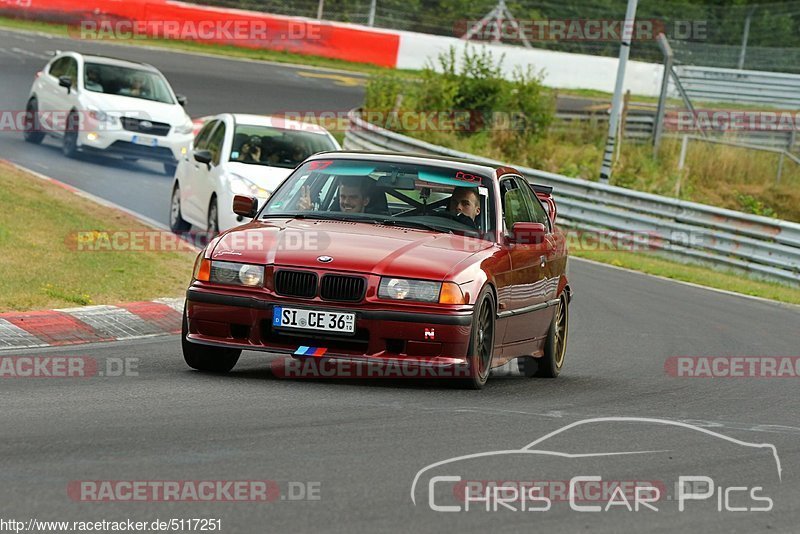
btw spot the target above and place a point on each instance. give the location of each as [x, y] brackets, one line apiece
[33, 131]
[481, 344]
[176, 222]
[70, 142]
[555, 346]
[205, 358]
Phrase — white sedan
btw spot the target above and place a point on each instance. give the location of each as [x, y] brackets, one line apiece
[237, 154]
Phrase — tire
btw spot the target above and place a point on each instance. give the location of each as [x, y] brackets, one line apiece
[169, 169]
[481, 343]
[205, 358]
[176, 222]
[33, 132]
[555, 346]
[69, 144]
[212, 220]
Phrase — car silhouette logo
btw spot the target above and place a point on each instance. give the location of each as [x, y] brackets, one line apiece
[325, 259]
[145, 125]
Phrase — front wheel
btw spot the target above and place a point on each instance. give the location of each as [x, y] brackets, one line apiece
[176, 222]
[205, 358]
[212, 221]
[70, 142]
[169, 169]
[33, 129]
[481, 343]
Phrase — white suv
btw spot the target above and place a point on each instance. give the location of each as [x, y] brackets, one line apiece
[111, 106]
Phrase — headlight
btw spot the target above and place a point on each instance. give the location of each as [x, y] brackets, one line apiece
[101, 116]
[407, 289]
[240, 274]
[241, 186]
[186, 128]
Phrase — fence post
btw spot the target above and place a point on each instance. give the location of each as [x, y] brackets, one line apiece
[658, 127]
[684, 145]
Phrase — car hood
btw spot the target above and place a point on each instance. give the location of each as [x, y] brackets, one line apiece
[138, 108]
[354, 247]
[263, 176]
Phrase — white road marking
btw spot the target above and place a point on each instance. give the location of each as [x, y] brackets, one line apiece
[28, 53]
[15, 56]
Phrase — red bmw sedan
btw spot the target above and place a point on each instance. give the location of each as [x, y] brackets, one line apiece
[424, 261]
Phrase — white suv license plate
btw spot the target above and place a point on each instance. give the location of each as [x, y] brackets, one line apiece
[313, 320]
[146, 141]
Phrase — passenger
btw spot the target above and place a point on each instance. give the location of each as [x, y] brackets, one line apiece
[251, 150]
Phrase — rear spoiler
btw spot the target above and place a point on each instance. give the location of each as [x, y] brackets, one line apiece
[544, 193]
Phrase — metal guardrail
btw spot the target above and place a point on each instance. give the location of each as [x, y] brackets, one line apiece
[693, 232]
[743, 86]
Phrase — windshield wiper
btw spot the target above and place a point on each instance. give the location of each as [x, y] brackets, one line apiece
[413, 224]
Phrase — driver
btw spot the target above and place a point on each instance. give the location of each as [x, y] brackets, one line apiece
[92, 81]
[465, 201]
[354, 194]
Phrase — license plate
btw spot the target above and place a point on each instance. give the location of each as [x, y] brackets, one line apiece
[314, 320]
[147, 141]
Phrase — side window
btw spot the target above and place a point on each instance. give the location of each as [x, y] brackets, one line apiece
[201, 141]
[215, 143]
[59, 67]
[72, 70]
[515, 207]
[535, 206]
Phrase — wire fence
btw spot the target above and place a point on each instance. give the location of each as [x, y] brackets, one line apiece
[703, 33]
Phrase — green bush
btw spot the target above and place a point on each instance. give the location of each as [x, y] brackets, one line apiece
[518, 110]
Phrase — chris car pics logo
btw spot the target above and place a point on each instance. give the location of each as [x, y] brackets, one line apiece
[447, 487]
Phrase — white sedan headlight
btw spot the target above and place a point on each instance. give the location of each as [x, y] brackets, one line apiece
[243, 186]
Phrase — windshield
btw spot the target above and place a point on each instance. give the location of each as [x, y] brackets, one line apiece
[123, 81]
[426, 197]
[276, 147]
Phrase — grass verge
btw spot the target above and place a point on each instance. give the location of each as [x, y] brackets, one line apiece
[42, 267]
[727, 280]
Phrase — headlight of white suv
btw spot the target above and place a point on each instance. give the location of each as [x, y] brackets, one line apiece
[186, 128]
[101, 116]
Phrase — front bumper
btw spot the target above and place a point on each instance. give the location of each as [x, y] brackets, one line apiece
[165, 149]
[245, 322]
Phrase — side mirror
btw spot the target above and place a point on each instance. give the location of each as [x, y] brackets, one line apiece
[182, 100]
[203, 156]
[245, 206]
[528, 233]
[66, 81]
